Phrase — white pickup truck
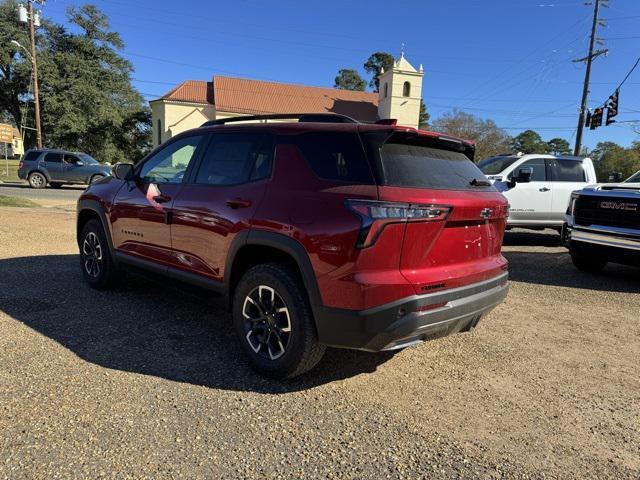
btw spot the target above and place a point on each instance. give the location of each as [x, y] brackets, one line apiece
[538, 187]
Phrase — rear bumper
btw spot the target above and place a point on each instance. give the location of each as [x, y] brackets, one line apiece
[411, 320]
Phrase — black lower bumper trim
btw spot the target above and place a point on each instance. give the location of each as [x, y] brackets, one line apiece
[410, 320]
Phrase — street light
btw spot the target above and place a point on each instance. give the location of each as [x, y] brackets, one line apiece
[15, 43]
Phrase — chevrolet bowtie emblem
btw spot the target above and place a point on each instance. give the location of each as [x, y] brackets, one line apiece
[486, 212]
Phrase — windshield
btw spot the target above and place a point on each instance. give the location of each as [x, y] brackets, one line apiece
[496, 165]
[633, 179]
[88, 159]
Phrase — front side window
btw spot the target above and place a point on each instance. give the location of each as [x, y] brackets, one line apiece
[537, 165]
[53, 157]
[566, 171]
[236, 158]
[170, 164]
[70, 159]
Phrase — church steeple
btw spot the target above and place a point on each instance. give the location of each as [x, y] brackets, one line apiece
[400, 92]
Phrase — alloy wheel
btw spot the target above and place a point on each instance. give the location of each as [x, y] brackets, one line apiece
[92, 253]
[267, 322]
[37, 180]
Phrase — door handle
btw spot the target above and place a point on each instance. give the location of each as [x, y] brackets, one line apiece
[161, 198]
[544, 189]
[238, 203]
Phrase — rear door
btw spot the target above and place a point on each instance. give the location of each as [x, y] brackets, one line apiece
[531, 202]
[141, 211]
[567, 175]
[52, 163]
[219, 200]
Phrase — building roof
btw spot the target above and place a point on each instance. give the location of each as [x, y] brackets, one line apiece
[191, 91]
[241, 95]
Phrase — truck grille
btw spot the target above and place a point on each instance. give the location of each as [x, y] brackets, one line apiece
[607, 211]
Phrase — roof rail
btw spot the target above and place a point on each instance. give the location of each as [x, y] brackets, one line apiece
[301, 117]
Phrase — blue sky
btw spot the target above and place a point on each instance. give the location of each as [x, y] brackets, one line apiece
[509, 60]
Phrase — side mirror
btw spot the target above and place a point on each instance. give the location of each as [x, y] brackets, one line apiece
[123, 171]
[524, 175]
[615, 177]
[79, 163]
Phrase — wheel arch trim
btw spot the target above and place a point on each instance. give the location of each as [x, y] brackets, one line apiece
[96, 208]
[285, 244]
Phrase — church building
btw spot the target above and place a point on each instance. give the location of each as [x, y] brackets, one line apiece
[193, 102]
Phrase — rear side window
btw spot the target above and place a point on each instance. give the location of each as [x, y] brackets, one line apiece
[335, 156]
[407, 164]
[31, 156]
[53, 157]
[236, 158]
[566, 171]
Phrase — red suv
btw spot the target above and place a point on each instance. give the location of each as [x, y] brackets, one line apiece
[320, 231]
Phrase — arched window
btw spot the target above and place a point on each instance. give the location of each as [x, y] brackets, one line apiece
[406, 89]
[386, 89]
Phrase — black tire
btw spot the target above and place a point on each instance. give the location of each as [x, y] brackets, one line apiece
[55, 185]
[297, 350]
[98, 268]
[95, 178]
[589, 264]
[37, 180]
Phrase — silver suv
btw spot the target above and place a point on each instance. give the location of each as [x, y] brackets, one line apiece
[58, 167]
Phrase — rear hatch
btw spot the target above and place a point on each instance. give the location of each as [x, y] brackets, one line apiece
[460, 245]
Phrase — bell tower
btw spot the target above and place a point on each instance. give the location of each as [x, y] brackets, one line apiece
[400, 92]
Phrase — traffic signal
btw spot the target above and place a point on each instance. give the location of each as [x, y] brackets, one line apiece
[587, 121]
[596, 118]
[612, 107]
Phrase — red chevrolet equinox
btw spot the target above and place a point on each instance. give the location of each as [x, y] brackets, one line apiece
[319, 230]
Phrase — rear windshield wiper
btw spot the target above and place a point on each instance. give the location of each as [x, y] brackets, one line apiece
[480, 183]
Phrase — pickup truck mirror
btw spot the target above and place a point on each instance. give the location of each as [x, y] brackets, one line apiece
[615, 177]
[522, 176]
[123, 171]
[79, 163]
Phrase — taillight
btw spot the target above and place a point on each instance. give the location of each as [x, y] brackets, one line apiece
[375, 216]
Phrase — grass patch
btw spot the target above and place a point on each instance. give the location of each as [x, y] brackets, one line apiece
[6, 201]
[9, 174]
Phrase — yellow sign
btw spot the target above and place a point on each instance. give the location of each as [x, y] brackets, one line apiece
[6, 133]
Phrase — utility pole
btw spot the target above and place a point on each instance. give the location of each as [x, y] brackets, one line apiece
[34, 65]
[587, 77]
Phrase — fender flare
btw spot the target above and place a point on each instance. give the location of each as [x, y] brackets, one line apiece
[94, 206]
[287, 245]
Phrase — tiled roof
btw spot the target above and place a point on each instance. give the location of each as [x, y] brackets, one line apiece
[240, 95]
[191, 91]
[255, 97]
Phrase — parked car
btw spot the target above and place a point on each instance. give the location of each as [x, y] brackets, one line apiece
[538, 187]
[58, 167]
[323, 231]
[603, 225]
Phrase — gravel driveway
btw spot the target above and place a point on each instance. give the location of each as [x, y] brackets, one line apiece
[147, 381]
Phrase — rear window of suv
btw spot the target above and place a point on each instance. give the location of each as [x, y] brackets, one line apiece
[418, 162]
